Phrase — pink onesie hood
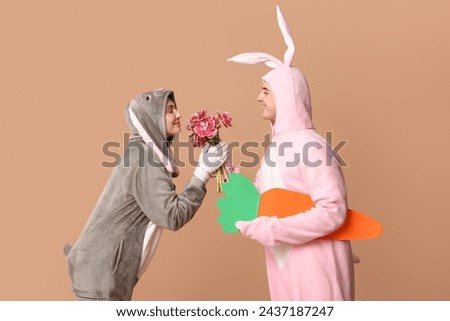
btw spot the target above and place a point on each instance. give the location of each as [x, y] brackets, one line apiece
[292, 99]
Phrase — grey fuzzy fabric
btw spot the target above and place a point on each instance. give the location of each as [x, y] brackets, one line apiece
[104, 262]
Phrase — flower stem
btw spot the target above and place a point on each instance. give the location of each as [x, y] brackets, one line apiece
[225, 173]
[218, 181]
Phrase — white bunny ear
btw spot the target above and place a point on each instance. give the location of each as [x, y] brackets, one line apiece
[284, 27]
[256, 58]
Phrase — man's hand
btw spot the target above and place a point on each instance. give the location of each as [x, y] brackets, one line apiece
[259, 230]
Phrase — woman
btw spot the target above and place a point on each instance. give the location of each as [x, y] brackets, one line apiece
[138, 202]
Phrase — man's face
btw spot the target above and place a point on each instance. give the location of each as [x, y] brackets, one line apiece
[267, 100]
[173, 124]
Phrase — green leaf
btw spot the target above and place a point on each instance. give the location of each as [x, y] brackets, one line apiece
[240, 203]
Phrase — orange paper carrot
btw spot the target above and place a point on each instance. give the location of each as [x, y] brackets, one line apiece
[281, 203]
[243, 202]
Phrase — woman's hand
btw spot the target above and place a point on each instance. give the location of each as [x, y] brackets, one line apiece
[211, 158]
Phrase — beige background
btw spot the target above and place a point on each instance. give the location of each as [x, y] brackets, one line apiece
[379, 74]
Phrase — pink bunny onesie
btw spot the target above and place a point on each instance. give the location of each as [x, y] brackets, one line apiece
[299, 265]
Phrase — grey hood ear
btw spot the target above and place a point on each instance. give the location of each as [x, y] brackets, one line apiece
[269, 60]
[139, 122]
[146, 137]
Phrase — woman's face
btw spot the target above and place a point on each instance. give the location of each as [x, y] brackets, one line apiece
[173, 124]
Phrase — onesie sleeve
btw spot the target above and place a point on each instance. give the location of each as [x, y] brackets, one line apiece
[257, 181]
[152, 188]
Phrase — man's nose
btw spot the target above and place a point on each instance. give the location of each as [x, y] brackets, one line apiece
[259, 98]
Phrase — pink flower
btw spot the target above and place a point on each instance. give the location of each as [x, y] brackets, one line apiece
[198, 141]
[198, 116]
[233, 169]
[230, 167]
[194, 119]
[225, 118]
[206, 127]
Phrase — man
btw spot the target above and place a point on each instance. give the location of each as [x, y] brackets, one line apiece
[138, 202]
[300, 266]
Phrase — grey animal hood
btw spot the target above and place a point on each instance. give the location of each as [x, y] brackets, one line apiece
[145, 115]
[138, 202]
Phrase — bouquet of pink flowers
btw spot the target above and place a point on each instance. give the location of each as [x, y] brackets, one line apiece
[205, 129]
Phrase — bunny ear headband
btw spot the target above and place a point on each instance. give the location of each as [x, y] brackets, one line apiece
[269, 60]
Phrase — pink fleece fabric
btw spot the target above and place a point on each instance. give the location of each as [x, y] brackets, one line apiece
[300, 267]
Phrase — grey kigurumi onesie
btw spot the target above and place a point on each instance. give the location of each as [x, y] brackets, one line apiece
[137, 203]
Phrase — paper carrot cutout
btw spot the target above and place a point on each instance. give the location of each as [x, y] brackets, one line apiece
[243, 202]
